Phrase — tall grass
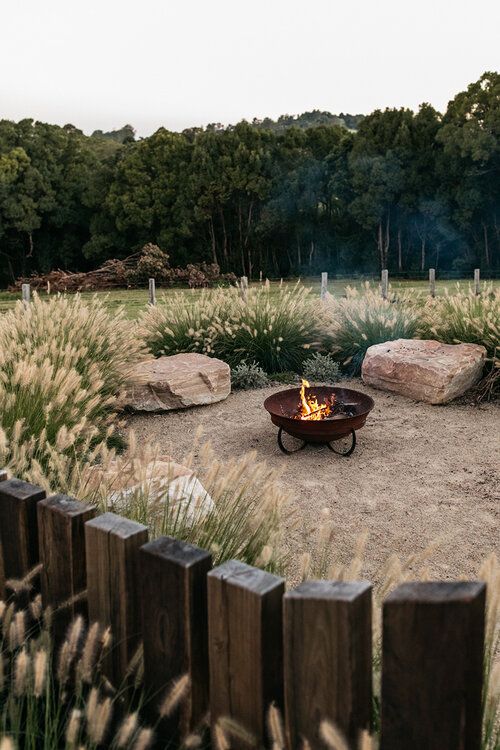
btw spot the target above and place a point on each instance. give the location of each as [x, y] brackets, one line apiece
[275, 331]
[465, 317]
[362, 319]
[62, 364]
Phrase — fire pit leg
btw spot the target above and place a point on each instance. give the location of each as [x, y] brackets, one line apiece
[349, 451]
[282, 447]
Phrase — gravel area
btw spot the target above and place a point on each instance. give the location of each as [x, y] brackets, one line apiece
[419, 474]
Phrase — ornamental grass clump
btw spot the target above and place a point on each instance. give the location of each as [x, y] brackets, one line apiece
[465, 317]
[62, 365]
[275, 330]
[360, 320]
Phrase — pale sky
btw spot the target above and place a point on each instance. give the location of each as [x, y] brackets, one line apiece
[104, 63]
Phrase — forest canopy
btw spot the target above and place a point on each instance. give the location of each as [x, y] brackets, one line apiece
[343, 193]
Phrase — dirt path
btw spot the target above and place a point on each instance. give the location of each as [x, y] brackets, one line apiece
[419, 473]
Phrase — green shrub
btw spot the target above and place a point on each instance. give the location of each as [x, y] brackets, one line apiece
[360, 320]
[245, 376]
[275, 331]
[321, 368]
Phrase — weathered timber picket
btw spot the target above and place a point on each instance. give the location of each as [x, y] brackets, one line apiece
[243, 641]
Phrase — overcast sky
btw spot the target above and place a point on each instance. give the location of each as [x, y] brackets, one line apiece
[177, 63]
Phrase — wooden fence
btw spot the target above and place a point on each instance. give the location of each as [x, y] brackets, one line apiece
[244, 641]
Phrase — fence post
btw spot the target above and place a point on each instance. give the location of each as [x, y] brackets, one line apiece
[245, 646]
[112, 551]
[432, 666]
[244, 287]
[25, 293]
[260, 276]
[384, 286]
[328, 660]
[432, 282]
[18, 529]
[173, 578]
[61, 534]
[477, 281]
[324, 284]
[152, 292]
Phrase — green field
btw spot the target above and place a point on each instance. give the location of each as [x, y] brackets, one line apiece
[134, 300]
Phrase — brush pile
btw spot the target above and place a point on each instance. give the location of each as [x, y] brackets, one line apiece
[133, 271]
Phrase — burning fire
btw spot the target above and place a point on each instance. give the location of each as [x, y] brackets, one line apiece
[309, 408]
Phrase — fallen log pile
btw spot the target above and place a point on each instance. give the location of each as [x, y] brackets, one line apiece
[113, 274]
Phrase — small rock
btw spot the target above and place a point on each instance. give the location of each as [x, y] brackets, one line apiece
[424, 370]
[161, 481]
[177, 382]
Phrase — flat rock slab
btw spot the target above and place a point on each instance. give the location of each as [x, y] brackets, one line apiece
[424, 370]
[177, 382]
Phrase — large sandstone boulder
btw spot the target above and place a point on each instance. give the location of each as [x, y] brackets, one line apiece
[177, 382]
[423, 370]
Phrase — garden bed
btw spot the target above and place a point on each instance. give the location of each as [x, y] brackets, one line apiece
[419, 474]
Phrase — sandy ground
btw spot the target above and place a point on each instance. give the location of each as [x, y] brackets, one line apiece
[419, 474]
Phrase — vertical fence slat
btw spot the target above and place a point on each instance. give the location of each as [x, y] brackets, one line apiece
[245, 645]
[61, 534]
[432, 282]
[152, 292]
[324, 284]
[328, 660]
[433, 643]
[18, 529]
[113, 586]
[173, 578]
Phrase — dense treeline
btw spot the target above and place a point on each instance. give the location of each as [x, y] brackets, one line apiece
[404, 190]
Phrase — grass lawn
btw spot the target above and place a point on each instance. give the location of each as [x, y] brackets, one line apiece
[134, 300]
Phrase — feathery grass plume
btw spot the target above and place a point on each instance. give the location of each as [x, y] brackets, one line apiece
[98, 714]
[364, 318]
[69, 650]
[126, 730]
[63, 363]
[275, 727]
[90, 653]
[144, 739]
[273, 330]
[2, 672]
[192, 741]
[175, 695]
[40, 671]
[233, 728]
[221, 740]
[6, 743]
[36, 607]
[73, 727]
[21, 672]
[332, 736]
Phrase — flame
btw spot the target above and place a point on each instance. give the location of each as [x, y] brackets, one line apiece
[309, 408]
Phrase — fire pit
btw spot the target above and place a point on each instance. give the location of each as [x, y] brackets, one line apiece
[321, 415]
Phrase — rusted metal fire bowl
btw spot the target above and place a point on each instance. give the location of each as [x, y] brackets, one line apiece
[353, 411]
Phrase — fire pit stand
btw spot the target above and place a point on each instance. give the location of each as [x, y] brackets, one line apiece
[350, 449]
[349, 415]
